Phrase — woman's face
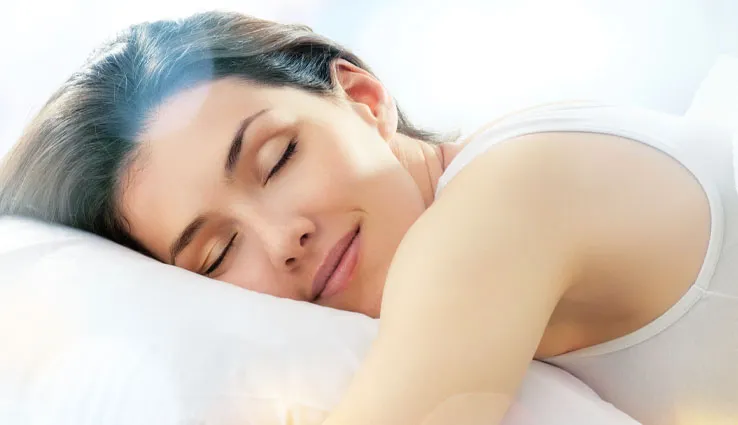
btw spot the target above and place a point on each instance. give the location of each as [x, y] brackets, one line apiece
[275, 190]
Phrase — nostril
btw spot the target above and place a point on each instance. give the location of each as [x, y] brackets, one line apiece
[290, 261]
[303, 239]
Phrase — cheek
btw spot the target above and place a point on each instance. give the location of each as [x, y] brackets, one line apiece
[324, 181]
[251, 271]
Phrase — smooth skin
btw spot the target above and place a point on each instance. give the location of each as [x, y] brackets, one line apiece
[565, 241]
[349, 167]
[544, 244]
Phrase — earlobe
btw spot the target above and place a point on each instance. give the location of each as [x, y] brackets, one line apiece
[368, 95]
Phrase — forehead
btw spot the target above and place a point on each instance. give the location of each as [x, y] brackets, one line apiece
[205, 105]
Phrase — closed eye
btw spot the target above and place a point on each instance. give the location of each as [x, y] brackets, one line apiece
[288, 152]
[213, 267]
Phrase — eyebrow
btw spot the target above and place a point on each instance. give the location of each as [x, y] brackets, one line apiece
[235, 149]
[184, 239]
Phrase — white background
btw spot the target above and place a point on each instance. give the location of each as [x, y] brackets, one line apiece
[450, 64]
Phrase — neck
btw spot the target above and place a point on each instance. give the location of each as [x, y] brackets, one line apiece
[424, 161]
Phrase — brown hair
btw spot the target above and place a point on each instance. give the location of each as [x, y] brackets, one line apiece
[67, 167]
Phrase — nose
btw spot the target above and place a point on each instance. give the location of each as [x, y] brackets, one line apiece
[286, 240]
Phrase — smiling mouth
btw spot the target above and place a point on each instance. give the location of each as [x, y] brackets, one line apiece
[338, 266]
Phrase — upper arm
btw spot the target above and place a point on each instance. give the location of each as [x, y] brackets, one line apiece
[474, 282]
[469, 293]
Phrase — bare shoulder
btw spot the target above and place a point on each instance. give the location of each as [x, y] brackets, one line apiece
[628, 209]
[530, 237]
[528, 172]
[595, 177]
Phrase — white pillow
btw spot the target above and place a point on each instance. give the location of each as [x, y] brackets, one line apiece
[95, 334]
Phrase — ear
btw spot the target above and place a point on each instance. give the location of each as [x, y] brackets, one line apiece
[367, 95]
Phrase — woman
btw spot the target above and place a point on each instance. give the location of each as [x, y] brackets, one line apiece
[263, 155]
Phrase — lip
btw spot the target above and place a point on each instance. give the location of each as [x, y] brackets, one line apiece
[337, 267]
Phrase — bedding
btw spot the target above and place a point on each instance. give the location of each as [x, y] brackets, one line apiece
[95, 334]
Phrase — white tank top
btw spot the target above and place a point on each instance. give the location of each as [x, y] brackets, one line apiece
[682, 368]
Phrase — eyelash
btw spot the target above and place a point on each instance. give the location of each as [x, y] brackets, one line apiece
[288, 152]
[222, 256]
